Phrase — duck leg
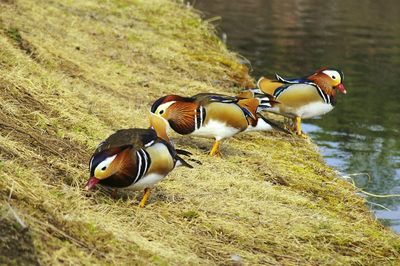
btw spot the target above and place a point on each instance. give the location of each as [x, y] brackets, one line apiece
[215, 149]
[145, 197]
[298, 127]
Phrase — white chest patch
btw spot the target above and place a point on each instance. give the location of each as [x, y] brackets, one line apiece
[216, 129]
[147, 181]
[314, 109]
[261, 126]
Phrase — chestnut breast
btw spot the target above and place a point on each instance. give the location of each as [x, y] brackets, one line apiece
[127, 170]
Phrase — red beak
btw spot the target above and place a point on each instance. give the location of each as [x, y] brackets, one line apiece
[341, 88]
[91, 183]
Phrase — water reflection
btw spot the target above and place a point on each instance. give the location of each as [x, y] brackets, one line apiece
[362, 38]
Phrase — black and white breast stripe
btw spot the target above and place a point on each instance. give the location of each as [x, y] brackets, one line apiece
[200, 114]
[149, 143]
[323, 95]
[143, 162]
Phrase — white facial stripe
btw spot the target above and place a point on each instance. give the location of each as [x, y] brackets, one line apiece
[105, 163]
[333, 74]
[164, 106]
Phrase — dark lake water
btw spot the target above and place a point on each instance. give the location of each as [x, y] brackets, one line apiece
[294, 38]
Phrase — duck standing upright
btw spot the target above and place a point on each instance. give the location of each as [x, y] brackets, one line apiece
[305, 97]
[134, 158]
[213, 115]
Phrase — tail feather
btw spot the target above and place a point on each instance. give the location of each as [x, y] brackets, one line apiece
[266, 101]
[182, 162]
[183, 152]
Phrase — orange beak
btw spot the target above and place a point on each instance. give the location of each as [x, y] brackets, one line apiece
[341, 88]
[91, 183]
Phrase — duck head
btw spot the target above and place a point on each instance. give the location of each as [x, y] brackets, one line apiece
[105, 164]
[167, 106]
[329, 78]
[178, 111]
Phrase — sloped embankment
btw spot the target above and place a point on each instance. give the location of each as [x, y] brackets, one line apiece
[71, 72]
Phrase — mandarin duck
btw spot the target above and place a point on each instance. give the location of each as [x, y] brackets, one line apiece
[305, 97]
[135, 158]
[213, 115]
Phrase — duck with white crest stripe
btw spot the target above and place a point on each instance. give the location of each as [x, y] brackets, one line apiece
[213, 115]
[135, 158]
[306, 97]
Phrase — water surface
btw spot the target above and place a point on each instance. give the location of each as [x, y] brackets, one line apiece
[293, 38]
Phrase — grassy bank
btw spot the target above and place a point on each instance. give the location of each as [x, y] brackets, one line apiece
[72, 72]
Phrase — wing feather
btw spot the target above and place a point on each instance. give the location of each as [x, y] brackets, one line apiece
[136, 137]
[269, 86]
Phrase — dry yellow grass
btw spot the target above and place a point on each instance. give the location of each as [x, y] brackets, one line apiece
[72, 72]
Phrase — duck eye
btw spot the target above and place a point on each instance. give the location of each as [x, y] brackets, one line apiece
[161, 112]
[333, 77]
[104, 168]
